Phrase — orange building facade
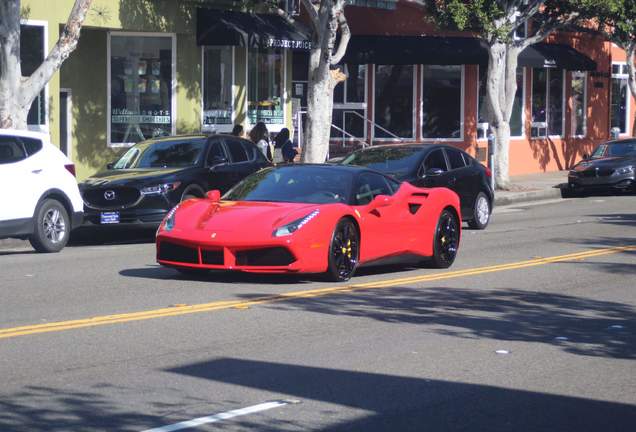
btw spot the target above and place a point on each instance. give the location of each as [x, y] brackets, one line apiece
[560, 113]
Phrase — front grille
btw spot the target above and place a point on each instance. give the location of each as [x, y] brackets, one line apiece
[602, 172]
[177, 253]
[212, 257]
[120, 197]
[275, 256]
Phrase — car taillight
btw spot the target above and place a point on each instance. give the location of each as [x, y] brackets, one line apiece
[488, 172]
[70, 168]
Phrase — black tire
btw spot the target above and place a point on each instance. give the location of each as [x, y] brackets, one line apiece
[481, 212]
[191, 192]
[569, 192]
[51, 227]
[445, 240]
[344, 251]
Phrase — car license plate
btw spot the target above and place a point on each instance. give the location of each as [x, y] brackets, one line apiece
[109, 218]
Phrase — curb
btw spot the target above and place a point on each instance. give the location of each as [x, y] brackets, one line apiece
[507, 198]
[12, 243]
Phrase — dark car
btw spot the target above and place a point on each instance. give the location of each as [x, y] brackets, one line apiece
[610, 168]
[153, 176]
[426, 165]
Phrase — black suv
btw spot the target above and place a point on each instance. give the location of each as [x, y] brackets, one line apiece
[433, 165]
[153, 176]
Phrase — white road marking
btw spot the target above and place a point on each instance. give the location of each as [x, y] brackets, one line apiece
[222, 416]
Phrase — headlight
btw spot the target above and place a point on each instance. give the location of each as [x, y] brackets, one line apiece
[295, 225]
[624, 170]
[168, 222]
[160, 189]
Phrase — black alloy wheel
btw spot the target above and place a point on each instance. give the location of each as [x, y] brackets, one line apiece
[344, 251]
[481, 212]
[446, 240]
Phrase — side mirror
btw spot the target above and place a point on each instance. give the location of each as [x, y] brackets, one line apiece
[433, 172]
[586, 156]
[214, 195]
[380, 201]
[217, 162]
[110, 165]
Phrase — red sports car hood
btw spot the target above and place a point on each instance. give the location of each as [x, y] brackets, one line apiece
[240, 216]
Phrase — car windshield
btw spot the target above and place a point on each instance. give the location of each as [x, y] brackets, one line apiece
[162, 154]
[297, 184]
[398, 162]
[616, 149]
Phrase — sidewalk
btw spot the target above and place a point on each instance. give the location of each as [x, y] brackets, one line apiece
[532, 187]
[529, 187]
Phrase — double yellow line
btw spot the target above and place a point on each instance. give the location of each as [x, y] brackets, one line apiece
[318, 292]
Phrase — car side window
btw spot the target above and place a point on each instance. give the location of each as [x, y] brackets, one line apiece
[369, 186]
[11, 149]
[251, 150]
[455, 158]
[237, 151]
[435, 160]
[216, 153]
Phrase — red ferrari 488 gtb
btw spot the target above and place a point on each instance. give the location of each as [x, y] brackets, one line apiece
[313, 219]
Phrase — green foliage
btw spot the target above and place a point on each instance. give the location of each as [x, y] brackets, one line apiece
[617, 20]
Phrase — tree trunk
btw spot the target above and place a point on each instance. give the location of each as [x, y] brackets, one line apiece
[631, 81]
[16, 92]
[12, 113]
[319, 110]
[501, 89]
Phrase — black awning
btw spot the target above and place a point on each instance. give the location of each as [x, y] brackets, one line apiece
[557, 56]
[222, 27]
[405, 50]
[402, 50]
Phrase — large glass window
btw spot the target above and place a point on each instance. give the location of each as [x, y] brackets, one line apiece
[516, 119]
[620, 98]
[217, 86]
[265, 86]
[140, 101]
[394, 101]
[442, 101]
[579, 93]
[349, 99]
[547, 102]
[31, 57]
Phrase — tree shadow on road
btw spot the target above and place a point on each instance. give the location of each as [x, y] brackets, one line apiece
[399, 403]
[502, 314]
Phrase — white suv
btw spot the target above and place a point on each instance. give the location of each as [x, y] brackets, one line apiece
[39, 197]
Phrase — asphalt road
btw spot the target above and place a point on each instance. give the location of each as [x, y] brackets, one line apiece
[532, 329]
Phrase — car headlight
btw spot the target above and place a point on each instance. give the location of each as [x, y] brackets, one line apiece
[160, 189]
[169, 220]
[295, 225]
[624, 170]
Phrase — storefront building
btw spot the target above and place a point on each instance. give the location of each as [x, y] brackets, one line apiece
[408, 82]
[147, 68]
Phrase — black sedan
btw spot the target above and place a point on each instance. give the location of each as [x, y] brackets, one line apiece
[426, 165]
[610, 168]
[153, 176]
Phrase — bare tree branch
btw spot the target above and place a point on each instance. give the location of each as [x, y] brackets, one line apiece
[345, 35]
[314, 19]
[60, 52]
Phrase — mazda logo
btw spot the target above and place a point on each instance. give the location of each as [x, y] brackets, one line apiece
[109, 195]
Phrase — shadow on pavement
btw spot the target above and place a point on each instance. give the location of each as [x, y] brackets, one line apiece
[85, 236]
[399, 403]
[502, 314]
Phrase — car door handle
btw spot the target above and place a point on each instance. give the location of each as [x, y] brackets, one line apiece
[37, 171]
[452, 181]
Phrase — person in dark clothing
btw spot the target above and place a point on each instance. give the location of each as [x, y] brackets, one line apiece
[284, 150]
[238, 130]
